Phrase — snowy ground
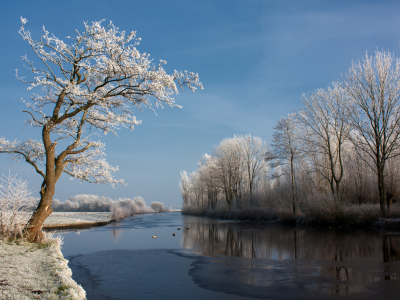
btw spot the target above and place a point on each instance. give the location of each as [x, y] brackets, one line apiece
[74, 218]
[32, 271]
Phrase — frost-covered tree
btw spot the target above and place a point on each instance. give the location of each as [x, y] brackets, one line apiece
[209, 176]
[92, 82]
[229, 161]
[185, 186]
[253, 150]
[326, 118]
[373, 85]
[285, 149]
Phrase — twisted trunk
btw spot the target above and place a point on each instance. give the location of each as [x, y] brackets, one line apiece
[33, 230]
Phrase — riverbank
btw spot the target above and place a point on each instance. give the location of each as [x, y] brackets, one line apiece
[39, 271]
[36, 271]
[367, 215]
[76, 220]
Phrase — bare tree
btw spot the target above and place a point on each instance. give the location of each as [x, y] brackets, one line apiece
[209, 176]
[230, 164]
[325, 116]
[374, 87]
[253, 150]
[92, 83]
[185, 186]
[285, 149]
[197, 188]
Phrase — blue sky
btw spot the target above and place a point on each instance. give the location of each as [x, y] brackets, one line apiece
[254, 57]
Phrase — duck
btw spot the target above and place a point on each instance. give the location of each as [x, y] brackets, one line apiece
[173, 234]
[154, 236]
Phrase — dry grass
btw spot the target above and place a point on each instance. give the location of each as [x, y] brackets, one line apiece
[323, 213]
[36, 271]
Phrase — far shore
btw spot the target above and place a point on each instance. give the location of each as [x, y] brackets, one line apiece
[79, 220]
[76, 220]
[318, 221]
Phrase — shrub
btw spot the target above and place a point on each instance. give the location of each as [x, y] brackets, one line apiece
[123, 208]
[157, 206]
[14, 205]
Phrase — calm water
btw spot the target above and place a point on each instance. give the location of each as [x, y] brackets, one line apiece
[245, 260]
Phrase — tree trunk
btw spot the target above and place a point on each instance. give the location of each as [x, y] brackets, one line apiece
[293, 188]
[381, 187]
[389, 199]
[33, 229]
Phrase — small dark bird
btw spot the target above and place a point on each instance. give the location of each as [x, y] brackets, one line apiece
[187, 227]
[173, 234]
[179, 229]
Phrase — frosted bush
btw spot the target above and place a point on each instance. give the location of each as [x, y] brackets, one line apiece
[83, 202]
[120, 208]
[126, 207]
[14, 205]
[157, 206]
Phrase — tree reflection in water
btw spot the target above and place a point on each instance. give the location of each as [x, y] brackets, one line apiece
[349, 258]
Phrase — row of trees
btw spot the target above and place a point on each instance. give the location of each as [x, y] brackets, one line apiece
[343, 144]
[233, 170]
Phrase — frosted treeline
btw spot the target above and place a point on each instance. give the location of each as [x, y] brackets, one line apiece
[119, 208]
[85, 203]
[222, 186]
[339, 152]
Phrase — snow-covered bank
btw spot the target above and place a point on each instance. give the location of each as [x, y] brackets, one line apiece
[60, 220]
[36, 271]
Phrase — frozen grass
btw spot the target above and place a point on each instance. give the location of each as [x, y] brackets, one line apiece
[249, 214]
[36, 271]
[71, 218]
[324, 214]
[64, 218]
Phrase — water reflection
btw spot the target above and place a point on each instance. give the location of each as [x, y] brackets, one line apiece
[350, 259]
[116, 233]
[257, 240]
[129, 233]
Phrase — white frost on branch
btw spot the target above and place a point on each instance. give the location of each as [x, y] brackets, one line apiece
[30, 150]
[91, 83]
[91, 166]
[103, 70]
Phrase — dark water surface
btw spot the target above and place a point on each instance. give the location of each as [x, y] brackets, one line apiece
[211, 259]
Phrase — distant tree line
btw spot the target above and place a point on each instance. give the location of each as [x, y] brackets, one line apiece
[340, 149]
[94, 203]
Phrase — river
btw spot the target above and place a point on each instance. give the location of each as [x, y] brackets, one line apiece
[201, 258]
